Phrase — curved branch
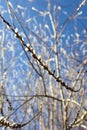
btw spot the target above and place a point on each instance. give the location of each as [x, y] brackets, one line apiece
[36, 57]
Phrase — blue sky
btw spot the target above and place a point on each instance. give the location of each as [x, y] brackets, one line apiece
[67, 6]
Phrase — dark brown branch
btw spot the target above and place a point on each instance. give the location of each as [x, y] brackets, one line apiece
[6, 123]
[36, 57]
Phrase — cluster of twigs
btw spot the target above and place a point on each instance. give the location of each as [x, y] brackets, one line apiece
[4, 121]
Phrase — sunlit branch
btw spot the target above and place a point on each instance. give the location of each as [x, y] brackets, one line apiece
[79, 121]
[35, 56]
[81, 4]
[4, 122]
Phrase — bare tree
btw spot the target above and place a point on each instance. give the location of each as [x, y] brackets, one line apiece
[43, 65]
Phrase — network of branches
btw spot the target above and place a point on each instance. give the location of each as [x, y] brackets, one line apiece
[43, 65]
